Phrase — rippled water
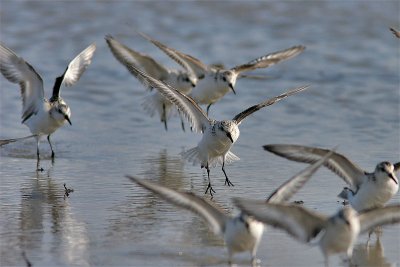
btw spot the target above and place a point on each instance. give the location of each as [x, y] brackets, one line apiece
[351, 61]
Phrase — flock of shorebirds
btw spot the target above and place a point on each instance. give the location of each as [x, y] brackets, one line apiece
[200, 84]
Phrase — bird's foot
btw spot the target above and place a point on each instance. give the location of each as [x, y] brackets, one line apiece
[209, 187]
[228, 182]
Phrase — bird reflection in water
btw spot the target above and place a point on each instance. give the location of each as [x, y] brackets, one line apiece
[368, 254]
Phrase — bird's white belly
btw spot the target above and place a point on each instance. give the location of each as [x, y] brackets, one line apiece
[240, 238]
[373, 195]
[43, 124]
[208, 91]
[215, 146]
[337, 239]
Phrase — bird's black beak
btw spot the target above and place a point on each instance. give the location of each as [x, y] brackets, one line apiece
[393, 178]
[230, 137]
[193, 85]
[67, 118]
[233, 89]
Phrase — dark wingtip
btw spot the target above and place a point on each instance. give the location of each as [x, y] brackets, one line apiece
[268, 147]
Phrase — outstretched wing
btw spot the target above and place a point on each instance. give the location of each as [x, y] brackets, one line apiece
[189, 63]
[214, 217]
[8, 141]
[379, 216]
[395, 32]
[297, 221]
[239, 117]
[127, 56]
[174, 55]
[291, 186]
[339, 164]
[17, 70]
[270, 59]
[195, 115]
[74, 70]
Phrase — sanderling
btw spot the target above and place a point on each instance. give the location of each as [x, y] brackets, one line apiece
[183, 81]
[338, 233]
[213, 83]
[42, 116]
[242, 232]
[367, 190]
[218, 136]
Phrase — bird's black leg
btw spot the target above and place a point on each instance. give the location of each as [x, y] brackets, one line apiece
[182, 122]
[51, 147]
[227, 182]
[164, 117]
[38, 156]
[209, 187]
[208, 108]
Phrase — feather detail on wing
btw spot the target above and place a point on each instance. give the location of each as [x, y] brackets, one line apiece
[270, 59]
[239, 117]
[127, 56]
[17, 70]
[78, 65]
[8, 141]
[379, 216]
[189, 63]
[195, 115]
[294, 184]
[74, 71]
[215, 217]
[337, 163]
[173, 54]
[297, 221]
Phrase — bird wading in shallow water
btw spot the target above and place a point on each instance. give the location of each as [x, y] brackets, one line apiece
[337, 234]
[241, 232]
[218, 136]
[42, 116]
[367, 189]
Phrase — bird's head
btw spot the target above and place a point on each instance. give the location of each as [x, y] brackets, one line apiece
[60, 111]
[385, 169]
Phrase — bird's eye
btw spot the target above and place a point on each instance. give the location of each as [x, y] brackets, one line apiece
[224, 79]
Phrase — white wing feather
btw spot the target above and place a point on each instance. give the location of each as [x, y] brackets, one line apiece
[195, 115]
[214, 217]
[78, 65]
[17, 70]
[339, 164]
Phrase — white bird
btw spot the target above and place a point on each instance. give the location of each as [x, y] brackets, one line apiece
[242, 232]
[218, 136]
[367, 190]
[42, 116]
[213, 83]
[338, 233]
[183, 81]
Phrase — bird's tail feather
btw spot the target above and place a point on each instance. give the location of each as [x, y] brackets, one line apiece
[192, 155]
[152, 105]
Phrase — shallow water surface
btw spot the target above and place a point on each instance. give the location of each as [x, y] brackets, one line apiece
[351, 62]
